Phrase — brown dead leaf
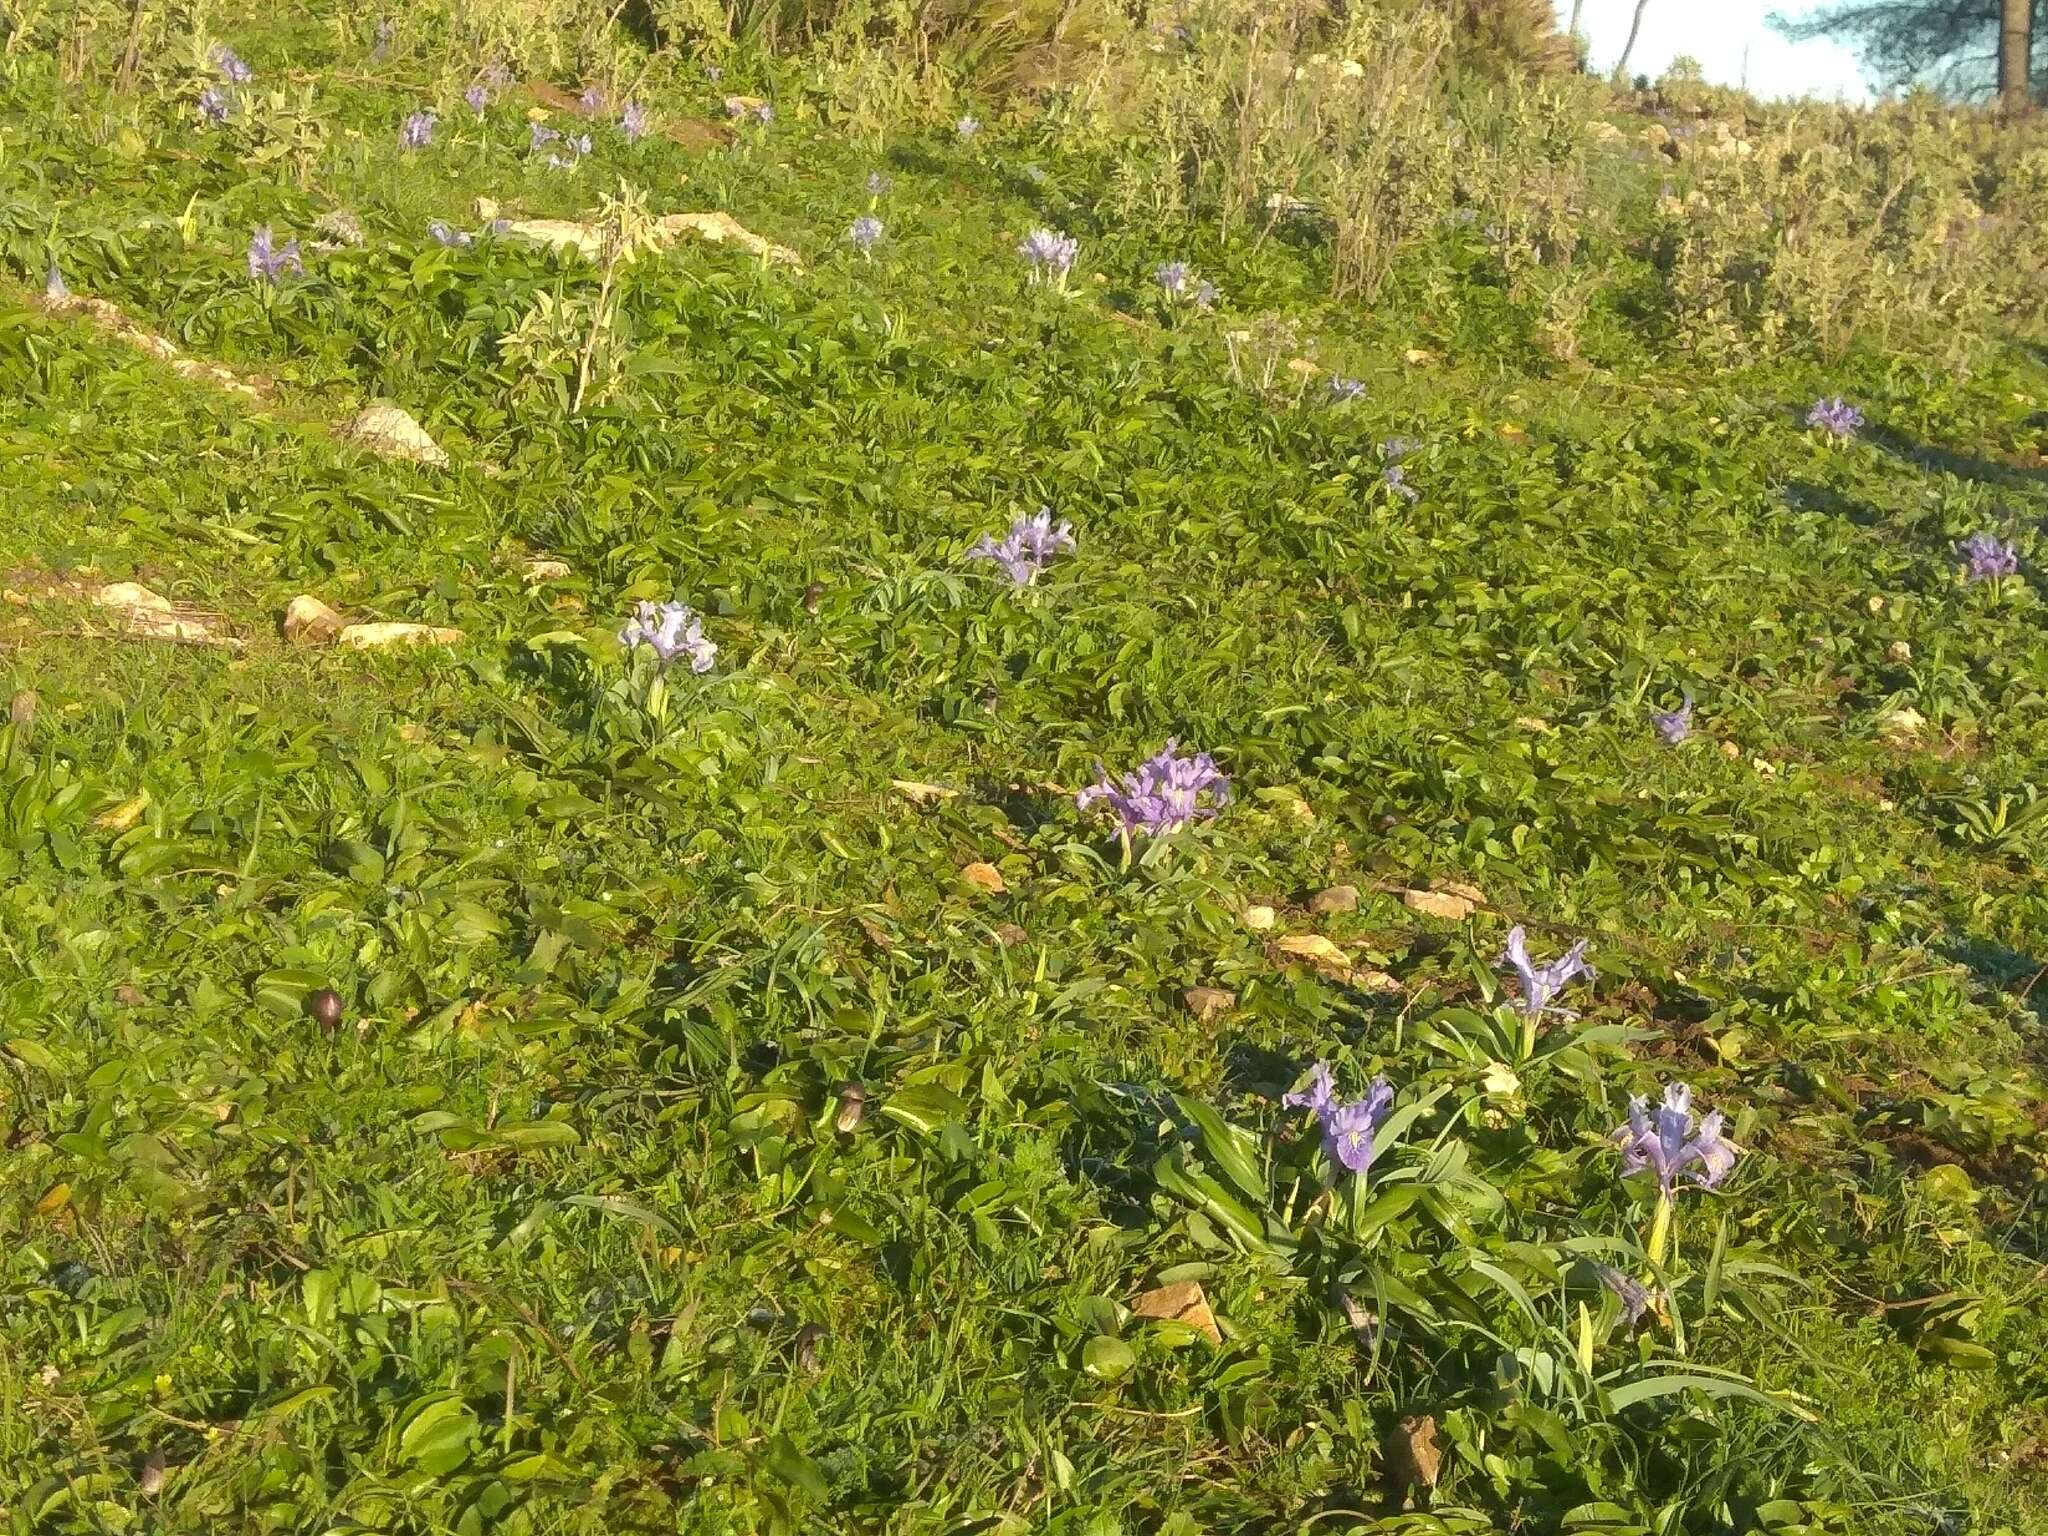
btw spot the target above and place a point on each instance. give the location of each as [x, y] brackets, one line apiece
[151, 614]
[1414, 1456]
[984, 876]
[1448, 905]
[124, 815]
[389, 633]
[1313, 946]
[1183, 1302]
[1009, 935]
[919, 793]
[1208, 1004]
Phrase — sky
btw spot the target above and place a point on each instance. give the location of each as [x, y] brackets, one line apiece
[1732, 39]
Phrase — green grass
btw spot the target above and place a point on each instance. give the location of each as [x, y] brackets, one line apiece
[555, 1230]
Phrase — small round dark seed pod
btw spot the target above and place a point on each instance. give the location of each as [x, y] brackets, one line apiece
[325, 1008]
[853, 1103]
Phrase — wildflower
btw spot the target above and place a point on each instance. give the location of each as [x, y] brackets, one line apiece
[1348, 1128]
[633, 122]
[1835, 416]
[592, 100]
[1173, 277]
[381, 44]
[541, 135]
[1395, 478]
[1343, 390]
[478, 96]
[1635, 1297]
[1318, 1096]
[866, 233]
[581, 144]
[230, 65]
[1206, 295]
[215, 104]
[1540, 983]
[267, 261]
[966, 128]
[448, 235]
[1663, 1141]
[418, 131]
[1049, 254]
[1674, 727]
[496, 75]
[1395, 449]
[670, 630]
[1989, 557]
[55, 289]
[1163, 794]
[764, 113]
[1028, 547]
[877, 183]
[713, 73]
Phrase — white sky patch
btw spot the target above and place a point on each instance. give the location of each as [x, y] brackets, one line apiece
[1733, 41]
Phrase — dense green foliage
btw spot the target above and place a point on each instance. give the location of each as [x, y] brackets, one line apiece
[558, 1229]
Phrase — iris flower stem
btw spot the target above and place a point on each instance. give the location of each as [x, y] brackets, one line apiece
[1660, 1230]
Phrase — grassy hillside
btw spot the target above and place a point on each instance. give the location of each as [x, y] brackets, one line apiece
[761, 1098]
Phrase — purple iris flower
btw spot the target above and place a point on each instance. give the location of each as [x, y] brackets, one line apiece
[1634, 1296]
[1676, 725]
[215, 104]
[633, 122]
[1049, 254]
[581, 144]
[540, 135]
[670, 630]
[478, 96]
[1395, 449]
[230, 65]
[592, 100]
[1028, 547]
[1206, 294]
[735, 107]
[877, 183]
[1343, 390]
[1395, 477]
[447, 234]
[1664, 1142]
[764, 113]
[1348, 1128]
[866, 233]
[267, 261]
[1541, 983]
[966, 128]
[1163, 794]
[1173, 277]
[713, 73]
[497, 75]
[418, 131]
[1318, 1096]
[1989, 557]
[1836, 416]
